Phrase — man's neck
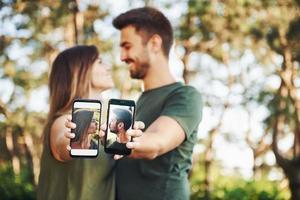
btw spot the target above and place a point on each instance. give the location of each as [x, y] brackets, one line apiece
[158, 75]
[123, 137]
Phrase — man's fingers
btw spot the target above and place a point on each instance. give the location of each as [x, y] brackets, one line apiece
[101, 133]
[139, 125]
[103, 127]
[134, 133]
[69, 135]
[68, 147]
[118, 157]
[132, 145]
[136, 139]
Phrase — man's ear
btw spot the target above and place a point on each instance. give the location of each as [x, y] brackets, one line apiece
[155, 43]
[120, 126]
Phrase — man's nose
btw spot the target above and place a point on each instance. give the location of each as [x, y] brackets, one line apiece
[123, 55]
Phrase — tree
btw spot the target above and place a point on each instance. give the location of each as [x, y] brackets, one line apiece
[227, 30]
[40, 31]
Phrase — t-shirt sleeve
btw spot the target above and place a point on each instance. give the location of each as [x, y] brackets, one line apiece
[185, 106]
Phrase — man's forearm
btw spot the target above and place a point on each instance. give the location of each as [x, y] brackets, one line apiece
[151, 145]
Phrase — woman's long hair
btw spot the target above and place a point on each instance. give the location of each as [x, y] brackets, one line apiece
[83, 118]
[70, 78]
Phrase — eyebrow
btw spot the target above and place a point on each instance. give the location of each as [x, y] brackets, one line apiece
[124, 43]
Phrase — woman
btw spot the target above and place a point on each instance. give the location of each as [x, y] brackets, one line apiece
[85, 130]
[76, 73]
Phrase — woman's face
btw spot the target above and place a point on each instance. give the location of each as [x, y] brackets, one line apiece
[101, 76]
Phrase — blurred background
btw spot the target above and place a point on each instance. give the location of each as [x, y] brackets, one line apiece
[242, 55]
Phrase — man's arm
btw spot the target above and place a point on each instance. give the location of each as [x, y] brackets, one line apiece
[162, 136]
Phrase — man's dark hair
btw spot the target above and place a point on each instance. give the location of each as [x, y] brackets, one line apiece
[124, 116]
[150, 21]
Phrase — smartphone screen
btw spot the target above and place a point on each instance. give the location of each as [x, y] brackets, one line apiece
[120, 119]
[86, 114]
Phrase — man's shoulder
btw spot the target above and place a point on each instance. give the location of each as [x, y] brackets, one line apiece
[187, 91]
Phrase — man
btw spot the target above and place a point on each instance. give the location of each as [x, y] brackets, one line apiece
[161, 157]
[120, 122]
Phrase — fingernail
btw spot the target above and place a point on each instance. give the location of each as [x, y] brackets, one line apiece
[129, 145]
[72, 135]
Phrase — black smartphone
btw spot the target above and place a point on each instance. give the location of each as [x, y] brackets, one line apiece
[86, 114]
[120, 118]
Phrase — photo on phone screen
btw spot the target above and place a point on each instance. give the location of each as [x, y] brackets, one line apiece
[86, 114]
[119, 120]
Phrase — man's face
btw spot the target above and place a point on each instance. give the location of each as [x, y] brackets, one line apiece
[134, 52]
[92, 127]
[113, 124]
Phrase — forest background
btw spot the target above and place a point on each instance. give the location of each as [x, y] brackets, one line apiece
[242, 55]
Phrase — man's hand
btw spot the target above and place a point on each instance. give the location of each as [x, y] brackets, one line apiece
[162, 136]
[135, 133]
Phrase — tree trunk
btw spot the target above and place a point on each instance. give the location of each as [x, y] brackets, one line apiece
[12, 150]
[291, 167]
[208, 159]
[78, 21]
[33, 156]
[185, 58]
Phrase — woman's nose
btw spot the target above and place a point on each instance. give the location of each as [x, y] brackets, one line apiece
[107, 67]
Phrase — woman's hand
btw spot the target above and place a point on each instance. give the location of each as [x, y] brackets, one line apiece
[71, 125]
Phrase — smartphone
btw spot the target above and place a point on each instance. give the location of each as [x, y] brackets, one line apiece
[120, 118]
[86, 114]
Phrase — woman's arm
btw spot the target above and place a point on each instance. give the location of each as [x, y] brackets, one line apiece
[60, 137]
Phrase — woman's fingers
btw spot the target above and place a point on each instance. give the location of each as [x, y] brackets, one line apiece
[69, 135]
[69, 117]
[70, 124]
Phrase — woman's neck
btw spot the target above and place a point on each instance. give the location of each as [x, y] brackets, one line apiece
[95, 94]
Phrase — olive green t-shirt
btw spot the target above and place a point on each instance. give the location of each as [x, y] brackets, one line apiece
[79, 179]
[165, 177]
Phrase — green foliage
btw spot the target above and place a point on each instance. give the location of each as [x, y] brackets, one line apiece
[15, 187]
[233, 188]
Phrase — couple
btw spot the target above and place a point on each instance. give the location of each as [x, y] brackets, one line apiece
[163, 141]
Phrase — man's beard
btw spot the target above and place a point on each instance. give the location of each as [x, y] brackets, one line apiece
[141, 66]
[113, 130]
[141, 72]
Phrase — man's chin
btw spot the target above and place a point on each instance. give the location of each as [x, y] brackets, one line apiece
[136, 75]
[133, 75]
